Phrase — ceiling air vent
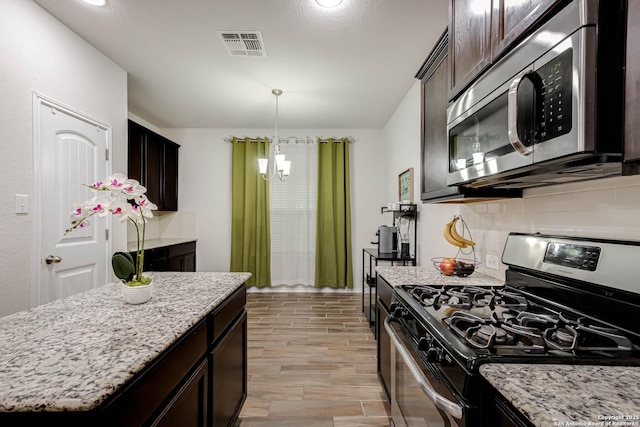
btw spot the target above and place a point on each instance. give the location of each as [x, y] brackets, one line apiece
[243, 43]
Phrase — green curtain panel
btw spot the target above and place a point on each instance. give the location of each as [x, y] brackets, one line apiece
[250, 229]
[334, 266]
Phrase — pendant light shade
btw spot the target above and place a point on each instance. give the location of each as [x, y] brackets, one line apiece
[281, 166]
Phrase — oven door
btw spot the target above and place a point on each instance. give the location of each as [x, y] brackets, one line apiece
[414, 398]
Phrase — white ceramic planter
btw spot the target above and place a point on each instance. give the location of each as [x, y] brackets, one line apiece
[136, 294]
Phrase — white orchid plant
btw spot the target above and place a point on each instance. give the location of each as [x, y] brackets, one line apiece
[125, 198]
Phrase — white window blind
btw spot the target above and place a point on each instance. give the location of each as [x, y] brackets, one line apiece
[293, 218]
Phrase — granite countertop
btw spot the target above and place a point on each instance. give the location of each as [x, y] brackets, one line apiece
[73, 353]
[569, 395]
[428, 275]
[158, 243]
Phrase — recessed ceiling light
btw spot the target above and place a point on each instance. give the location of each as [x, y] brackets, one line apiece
[328, 3]
[95, 2]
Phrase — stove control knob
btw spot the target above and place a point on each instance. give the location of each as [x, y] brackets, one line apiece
[399, 313]
[434, 355]
[425, 343]
[393, 307]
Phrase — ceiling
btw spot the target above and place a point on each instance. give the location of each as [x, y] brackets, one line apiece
[343, 68]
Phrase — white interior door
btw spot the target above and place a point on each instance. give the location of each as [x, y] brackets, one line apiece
[70, 151]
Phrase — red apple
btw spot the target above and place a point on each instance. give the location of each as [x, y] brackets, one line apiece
[447, 266]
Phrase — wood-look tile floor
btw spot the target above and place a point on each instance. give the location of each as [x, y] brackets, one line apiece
[312, 363]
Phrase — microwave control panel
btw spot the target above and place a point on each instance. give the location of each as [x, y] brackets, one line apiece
[553, 87]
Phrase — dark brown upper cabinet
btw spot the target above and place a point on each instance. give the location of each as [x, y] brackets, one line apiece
[512, 19]
[481, 31]
[470, 44]
[153, 160]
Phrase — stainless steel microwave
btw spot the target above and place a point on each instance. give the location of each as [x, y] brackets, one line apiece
[551, 110]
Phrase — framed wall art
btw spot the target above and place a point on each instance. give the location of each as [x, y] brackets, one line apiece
[405, 186]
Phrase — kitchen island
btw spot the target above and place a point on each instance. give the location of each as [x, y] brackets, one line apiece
[92, 359]
[569, 395]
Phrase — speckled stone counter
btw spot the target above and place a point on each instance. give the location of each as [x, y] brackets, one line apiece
[73, 353]
[568, 395]
[428, 275]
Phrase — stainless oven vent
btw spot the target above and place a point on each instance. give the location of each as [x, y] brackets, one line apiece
[243, 43]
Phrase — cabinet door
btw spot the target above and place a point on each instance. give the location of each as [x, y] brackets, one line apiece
[229, 375]
[189, 408]
[154, 162]
[513, 19]
[154, 259]
[383, 350]
[182, 257]
[170, 177]
[189, 262]
[632, 89]
[135, 152]
[435, 151]
[175, 263]
[469, 41]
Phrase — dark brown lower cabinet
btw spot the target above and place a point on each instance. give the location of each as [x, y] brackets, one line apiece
[385, 292]
[229, 368]
[180, 257]
[189, 406]
[199, 381]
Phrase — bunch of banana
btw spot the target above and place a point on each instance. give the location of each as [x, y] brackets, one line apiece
[453, 237]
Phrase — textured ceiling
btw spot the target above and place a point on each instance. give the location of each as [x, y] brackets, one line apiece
[347, 67]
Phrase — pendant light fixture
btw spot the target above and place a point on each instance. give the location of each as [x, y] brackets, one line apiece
[281, 166]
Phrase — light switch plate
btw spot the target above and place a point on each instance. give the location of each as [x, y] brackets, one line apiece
[493, 262]
[22, 204]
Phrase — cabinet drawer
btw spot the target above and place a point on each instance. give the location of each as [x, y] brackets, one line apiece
[385, 292]
[182, 249]
[224, 316]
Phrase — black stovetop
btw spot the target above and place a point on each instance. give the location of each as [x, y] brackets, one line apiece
[503, 324]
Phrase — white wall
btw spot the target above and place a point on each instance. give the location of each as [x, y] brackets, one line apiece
[205, 188]
[402, 136]
[40, 54]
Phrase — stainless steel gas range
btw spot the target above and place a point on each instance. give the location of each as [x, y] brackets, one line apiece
[565, 300]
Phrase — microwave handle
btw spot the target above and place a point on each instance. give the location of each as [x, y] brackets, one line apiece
[440, 401]
[512, 115]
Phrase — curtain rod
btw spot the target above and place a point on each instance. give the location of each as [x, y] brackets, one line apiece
[297, 140]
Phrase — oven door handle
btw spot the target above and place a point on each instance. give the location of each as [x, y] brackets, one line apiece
[512, 115]
[440, 401]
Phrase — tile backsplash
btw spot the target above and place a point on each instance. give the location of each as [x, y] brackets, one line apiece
[607, 208]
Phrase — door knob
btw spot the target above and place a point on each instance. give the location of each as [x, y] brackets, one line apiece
[52, 259]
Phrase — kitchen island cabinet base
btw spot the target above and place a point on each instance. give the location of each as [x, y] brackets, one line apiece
[200, 380]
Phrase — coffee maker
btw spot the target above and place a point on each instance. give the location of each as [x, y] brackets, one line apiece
[387, 239]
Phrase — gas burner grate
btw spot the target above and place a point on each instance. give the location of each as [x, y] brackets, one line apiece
[494, 334]
[584, 336]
